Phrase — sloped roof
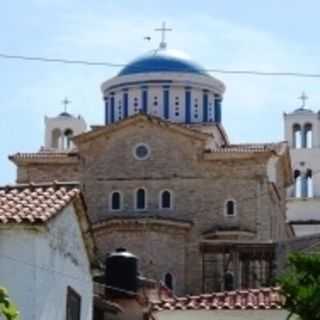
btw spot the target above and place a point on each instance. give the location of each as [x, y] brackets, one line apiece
[52, 156]
[252, 299]
[251, 147]
[32, 203]
[36, 204]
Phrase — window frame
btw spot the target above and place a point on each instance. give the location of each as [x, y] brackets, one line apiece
[173, 280]
[136, 146]
[171, 199]
[235, 208]
[72, 293]
[136, 199]
[111, 202]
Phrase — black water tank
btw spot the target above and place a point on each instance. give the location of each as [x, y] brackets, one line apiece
[121, 273]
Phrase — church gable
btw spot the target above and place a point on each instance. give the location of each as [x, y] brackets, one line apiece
[142, 149]
[139, 118]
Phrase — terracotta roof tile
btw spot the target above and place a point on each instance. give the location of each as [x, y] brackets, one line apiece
[257, 147]
[34, 203]
[264, 298]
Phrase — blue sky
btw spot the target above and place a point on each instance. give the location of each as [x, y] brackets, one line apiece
[265, 35]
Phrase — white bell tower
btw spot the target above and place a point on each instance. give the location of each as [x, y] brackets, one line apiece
[302, 131]
[59, 130]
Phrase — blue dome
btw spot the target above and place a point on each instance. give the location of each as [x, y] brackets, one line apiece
[162, 61]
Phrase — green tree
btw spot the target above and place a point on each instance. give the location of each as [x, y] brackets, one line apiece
[7, 308]
[301, 286]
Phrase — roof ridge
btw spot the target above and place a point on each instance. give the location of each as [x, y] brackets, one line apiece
[55, 183]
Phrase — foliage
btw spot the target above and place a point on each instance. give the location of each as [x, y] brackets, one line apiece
[301, 286]
[7, 308]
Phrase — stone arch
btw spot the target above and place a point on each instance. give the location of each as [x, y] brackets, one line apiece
[307, 136]
[297, 184]
[67, 136]
[115, 200]
[230, 207]
[297, 136]
[309, 183]
[55, 138]
[166, 199]
[141, 199]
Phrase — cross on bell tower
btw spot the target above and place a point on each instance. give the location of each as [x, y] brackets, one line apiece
[65, 103]
[163, 29]
[303, 98]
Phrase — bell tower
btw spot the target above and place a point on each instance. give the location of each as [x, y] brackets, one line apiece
[302, 131]
[59, 130]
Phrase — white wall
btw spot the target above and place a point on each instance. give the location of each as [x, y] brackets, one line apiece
[222, 315]
[37, 266]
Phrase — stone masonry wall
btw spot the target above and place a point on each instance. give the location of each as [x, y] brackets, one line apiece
[47, 172]
[200, 189]
[160, 250]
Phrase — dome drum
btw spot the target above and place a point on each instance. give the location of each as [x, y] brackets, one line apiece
[164, 85]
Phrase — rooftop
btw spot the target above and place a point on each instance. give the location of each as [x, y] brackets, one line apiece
[34, 203]
[163, 60]
[252, 299]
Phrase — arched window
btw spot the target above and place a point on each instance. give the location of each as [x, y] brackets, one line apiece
[229, 281]
[168, 280]
[297, 184]
[297, 136]
[115, 200]
[309, 183]
[165, 199]
[140, 199]
[230, 208]
[307, 136]
[68, 134]
[55, 138]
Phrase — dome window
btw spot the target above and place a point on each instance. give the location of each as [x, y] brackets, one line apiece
[141, 151]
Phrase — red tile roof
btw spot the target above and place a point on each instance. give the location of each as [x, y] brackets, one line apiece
[44, 156]
[265, 298]
[247, 147]
[34, 203]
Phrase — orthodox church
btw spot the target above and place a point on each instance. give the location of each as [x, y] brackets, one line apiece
[161, 178]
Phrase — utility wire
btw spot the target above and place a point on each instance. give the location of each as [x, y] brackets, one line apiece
[120, 65]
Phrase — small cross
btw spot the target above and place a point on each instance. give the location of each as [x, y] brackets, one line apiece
[163, 30]
[303, 98]
[65, 102]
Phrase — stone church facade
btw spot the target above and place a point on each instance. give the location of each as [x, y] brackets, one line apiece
[161, 178]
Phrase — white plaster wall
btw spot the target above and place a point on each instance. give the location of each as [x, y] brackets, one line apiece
[304, 230]
[211, 99]
[180, 93]
[118, 106]
[134, 93]
[196, 98]
[303, 209]
[43, 264]
[223, 315]
[156, 110]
